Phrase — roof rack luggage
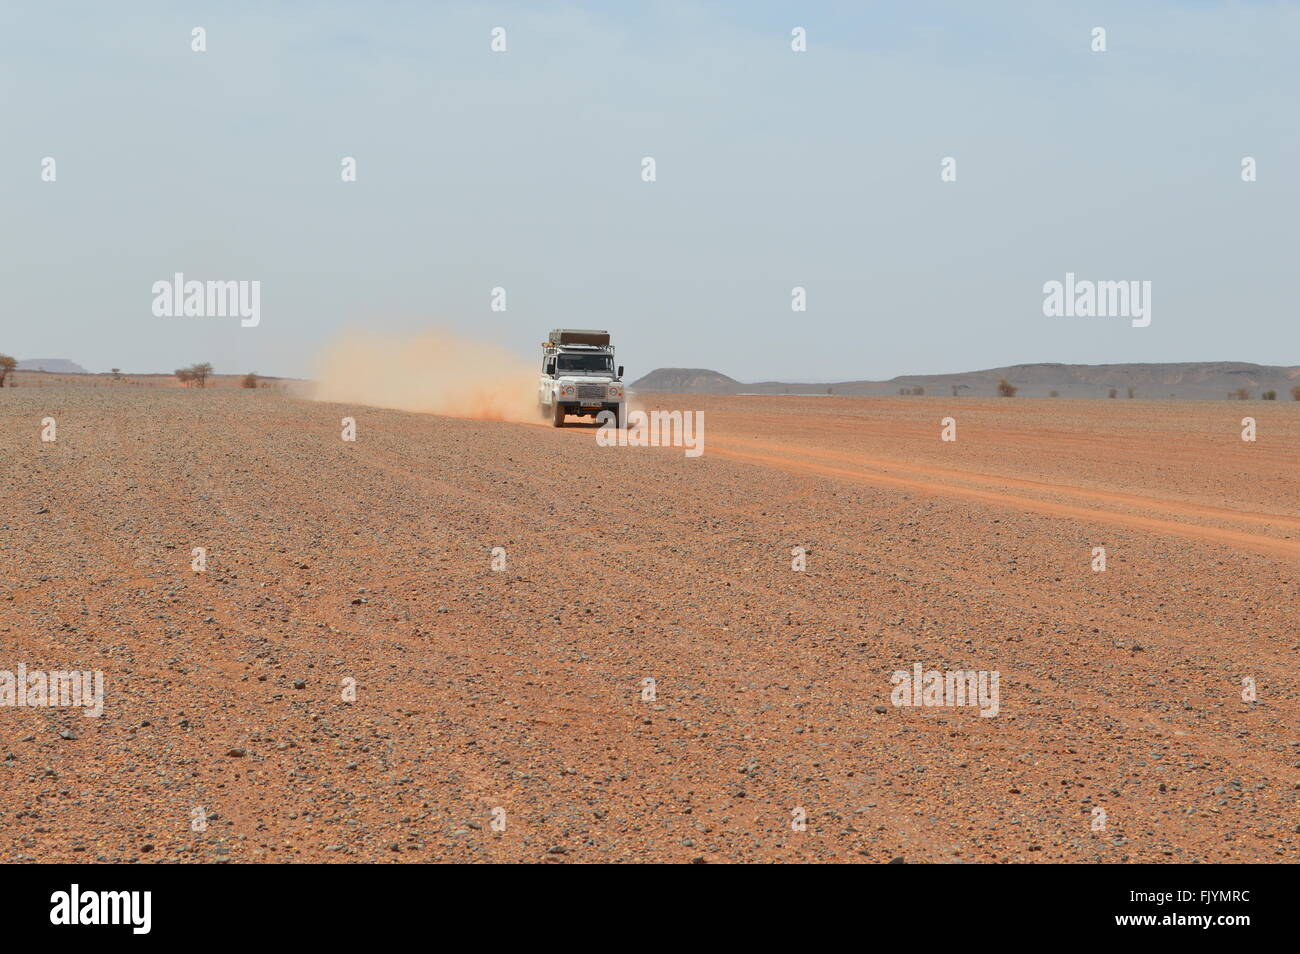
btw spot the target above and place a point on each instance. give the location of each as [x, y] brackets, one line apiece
[579, 336]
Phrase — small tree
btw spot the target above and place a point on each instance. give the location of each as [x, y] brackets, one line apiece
[1295, 394]
[201, 372]
[1113, 393]
[1006, 388]
[1269, 395]
[7, 367]
[249, 381]
[184, 375]
[1241, 394]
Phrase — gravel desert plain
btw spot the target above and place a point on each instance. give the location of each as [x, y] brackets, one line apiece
[502, 714]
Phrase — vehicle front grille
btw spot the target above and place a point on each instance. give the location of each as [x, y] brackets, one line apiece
[591, 392]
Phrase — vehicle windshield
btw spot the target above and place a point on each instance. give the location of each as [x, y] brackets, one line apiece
[601, 363]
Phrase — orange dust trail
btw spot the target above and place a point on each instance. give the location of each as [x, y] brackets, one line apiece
[435, 372]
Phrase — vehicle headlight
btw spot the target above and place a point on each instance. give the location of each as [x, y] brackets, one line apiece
[616, 392]
[567, 389]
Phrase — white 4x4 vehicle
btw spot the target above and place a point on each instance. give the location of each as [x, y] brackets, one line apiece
[578, 376]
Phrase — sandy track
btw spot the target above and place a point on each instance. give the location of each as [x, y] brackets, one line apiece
[521, 689]
[886, 473]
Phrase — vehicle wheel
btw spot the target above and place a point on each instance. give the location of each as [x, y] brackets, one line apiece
[557, 413]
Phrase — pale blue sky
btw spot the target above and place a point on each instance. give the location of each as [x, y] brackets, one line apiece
[775, 169]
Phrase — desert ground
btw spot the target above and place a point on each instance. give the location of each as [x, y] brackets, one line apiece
[485, 695]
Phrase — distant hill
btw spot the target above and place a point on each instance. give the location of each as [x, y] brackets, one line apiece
[1196, 380]
[52, 365]
[688, 381]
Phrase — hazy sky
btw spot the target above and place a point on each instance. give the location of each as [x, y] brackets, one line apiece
[774, 169]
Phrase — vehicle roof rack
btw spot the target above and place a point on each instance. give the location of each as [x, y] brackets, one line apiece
[579, 336]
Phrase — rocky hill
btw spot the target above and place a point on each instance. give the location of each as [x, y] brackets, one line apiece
[52, 365]
[688, 381]
[1199, 380]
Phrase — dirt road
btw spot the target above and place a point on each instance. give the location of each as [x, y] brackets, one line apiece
[485, 695]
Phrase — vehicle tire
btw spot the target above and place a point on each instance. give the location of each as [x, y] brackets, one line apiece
[557, 414]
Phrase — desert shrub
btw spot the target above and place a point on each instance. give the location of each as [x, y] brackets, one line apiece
[7, 366]
[201, 372]
[1295, 394]
[249, 381]
[1006, 388]
[194, 375]
[1269, 396]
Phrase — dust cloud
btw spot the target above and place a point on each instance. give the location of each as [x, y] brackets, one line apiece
[435, 372]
